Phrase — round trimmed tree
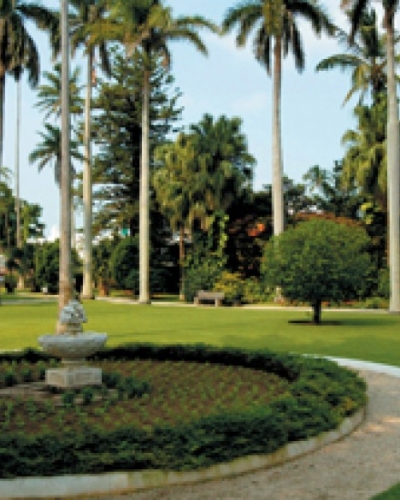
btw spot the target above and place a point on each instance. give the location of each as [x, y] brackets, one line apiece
[318, 260]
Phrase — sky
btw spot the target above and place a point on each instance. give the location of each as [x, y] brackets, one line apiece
[228, 82]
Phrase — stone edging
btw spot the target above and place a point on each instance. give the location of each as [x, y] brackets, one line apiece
[119, 482]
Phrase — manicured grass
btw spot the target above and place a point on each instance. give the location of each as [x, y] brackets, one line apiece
[390, 494]
[361, 335]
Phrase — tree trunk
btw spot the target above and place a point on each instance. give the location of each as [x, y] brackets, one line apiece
[87, 290]
[317, 312]
[277, 162]
[16, 173]
[393, 175]
[2, 96]
[21, 281]
[144, 233]
[65, 279]
[181, 262]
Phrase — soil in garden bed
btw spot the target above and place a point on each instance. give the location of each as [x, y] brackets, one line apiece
[178, 392]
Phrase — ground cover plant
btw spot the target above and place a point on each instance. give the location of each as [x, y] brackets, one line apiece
[197, 405]
[392, 493]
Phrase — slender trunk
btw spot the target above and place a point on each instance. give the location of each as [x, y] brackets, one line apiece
[87, 290]
[317, 311]
[16, 173]
[144, 234]
[65, 279]
[393, 174]
[73, 225]
[277, 163]
[181, 262]
[21, 280]
[2, 96]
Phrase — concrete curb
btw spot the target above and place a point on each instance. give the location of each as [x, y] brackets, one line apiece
[120, 482]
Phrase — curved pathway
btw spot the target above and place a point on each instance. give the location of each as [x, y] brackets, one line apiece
[361, 465]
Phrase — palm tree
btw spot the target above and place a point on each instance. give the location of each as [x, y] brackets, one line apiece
[148, 26]
[65, 271]
[202, 173]
[174, 182]
[48, 151]
[18, 50]
[356, 12]
[49, 93]
[87, 14]
[275, 23]
[365, 57]
[364, 164]
[224, 166]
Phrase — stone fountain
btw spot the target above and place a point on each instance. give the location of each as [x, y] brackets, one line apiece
[73, 346]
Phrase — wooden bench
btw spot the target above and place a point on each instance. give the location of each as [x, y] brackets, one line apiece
[204, 296]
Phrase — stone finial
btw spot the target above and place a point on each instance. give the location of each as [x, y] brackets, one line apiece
[73, 315]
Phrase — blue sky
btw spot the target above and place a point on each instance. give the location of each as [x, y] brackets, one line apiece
[229, 81]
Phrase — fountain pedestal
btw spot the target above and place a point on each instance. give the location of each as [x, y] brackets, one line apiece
[79, 376]
[73, 347]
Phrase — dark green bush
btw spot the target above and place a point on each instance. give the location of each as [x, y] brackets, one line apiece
[319, 396]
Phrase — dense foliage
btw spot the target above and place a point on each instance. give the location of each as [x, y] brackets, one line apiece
[319, 395]
[117, 135]
[319, 260]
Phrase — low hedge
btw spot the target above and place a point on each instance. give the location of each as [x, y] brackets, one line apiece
[321, 394]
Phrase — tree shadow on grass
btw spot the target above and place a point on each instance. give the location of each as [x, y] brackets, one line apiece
[309, 322]
[366, 319]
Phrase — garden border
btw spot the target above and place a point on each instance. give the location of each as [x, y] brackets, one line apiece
[120, 482]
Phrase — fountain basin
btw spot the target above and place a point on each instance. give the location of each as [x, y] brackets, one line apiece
[73, 348]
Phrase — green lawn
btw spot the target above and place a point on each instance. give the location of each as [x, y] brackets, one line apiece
[361, 335]
[369, 336]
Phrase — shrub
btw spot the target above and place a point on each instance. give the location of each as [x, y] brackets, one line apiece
[10, 283]
[231, 285]
[255, 292]
[384, 283]
[319, 395]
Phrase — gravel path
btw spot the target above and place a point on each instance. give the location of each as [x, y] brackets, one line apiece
[361, 465]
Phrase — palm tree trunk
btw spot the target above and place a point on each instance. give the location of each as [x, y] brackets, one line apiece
[181, 262]
[144, 234]
[21, 281]
[17, 136]
[87, 291]
[393, 175]
[277, 163]
[2, 94]
[65, 281]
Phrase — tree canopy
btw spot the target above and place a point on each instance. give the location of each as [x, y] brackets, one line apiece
[319, 260]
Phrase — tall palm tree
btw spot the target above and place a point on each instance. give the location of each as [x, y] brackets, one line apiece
[149, 26]
[365, 57]
[390, 7]
[48, 151]
[49, 93]
[88, 13]
[65, 271]
[18, 50]
[276, 30]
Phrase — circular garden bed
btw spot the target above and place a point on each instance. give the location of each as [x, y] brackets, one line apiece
[167, 407]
